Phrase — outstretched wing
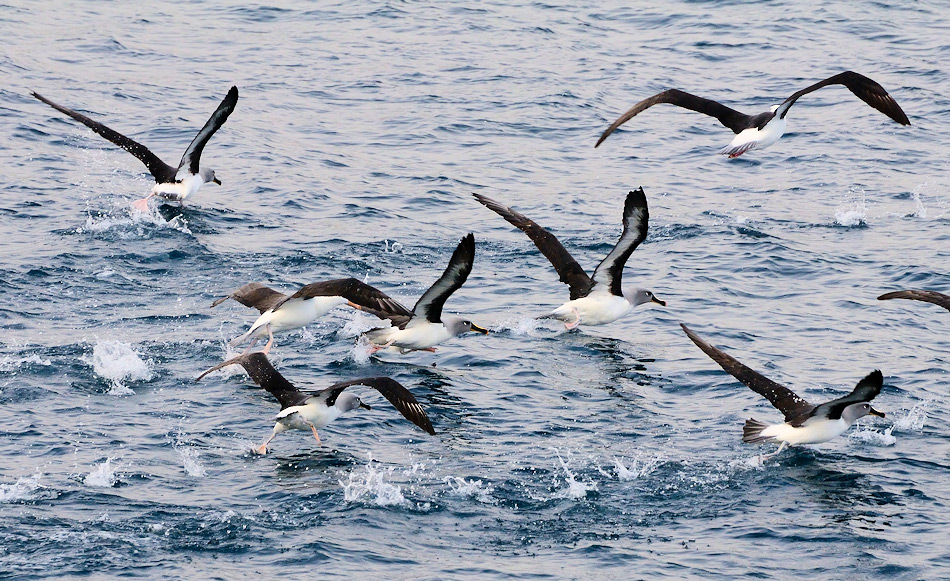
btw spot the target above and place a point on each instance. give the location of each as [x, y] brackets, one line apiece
[568, 269]
[784, 399]
[460, 265]
[731, 118]
[161, 171]
[361, 296]
[255, 295]
[866, 390]
[636, 220]
[217, 119]
[401, 398]
[919, 295]
[263, 374]
[864, 88]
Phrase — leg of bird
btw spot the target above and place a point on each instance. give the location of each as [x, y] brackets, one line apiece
[775, 453]
[577, 320]
[270, 340]
[375, 348]
[429, 349]
[142, 205]
[262, 449]
[315, 435]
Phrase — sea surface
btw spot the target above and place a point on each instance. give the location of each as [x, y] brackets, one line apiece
[362, 130]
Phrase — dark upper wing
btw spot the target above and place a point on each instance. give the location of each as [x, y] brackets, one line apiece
[729, 117]
[392, 390]
[790, 404]
[264, 375]
[460, 265]
[362, 295]
[919, 295]
[220, 115]
[866, 390]
[569, 270]
[864, 88]
[636, 219]
[161, 171]
[256, 295]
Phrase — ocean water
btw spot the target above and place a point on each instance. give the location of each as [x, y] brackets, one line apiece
[361, 132]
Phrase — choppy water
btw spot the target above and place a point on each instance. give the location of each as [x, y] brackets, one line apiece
[362, 130]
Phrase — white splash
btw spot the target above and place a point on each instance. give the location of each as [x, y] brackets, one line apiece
[575, 489]
[638, 468]
[854, 215]
[102, 475]
[521, 326]
[8, 363]
[118, 362]
[129, 222]
[912, 421]
[394, 248]
[360, 351]
[371, 486]
[191, 461]
[921, 211]
[471, 489]
[19, 490]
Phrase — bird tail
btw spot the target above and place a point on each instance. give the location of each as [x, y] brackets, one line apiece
[752, 432]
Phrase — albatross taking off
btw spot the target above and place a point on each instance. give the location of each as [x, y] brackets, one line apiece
[280, 312]
[425, 327]
[171, 183]
[597, 299]
[764, 129]
[302, 410]
[804, 423]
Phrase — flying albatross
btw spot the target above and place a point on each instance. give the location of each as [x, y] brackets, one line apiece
[804, 423]
[425, 326]
[280, 312]
[171, 183]
[303, 410]
[764, 129]
[919, 295]
[597, 299]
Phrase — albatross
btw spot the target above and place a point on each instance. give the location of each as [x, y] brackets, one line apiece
[280, 312]
[919, 295]
[305, 410]
[804, 423]
[425, 326]
[597, 299]
[762, 130]
[171, 183]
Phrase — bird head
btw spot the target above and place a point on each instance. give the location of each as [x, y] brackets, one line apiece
[348, 401]
[858, 410]
[207, 175]
[639, 296]
[459, 325]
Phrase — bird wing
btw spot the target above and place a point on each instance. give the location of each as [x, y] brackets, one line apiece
[256, 295]
[784, 399]
[360, 294]
[460, 265]
[263, 373]
[568, 269]
[866, 390]
[731, 118]
[161, 171]
[636, 220]
[401, 398]
[217, 119]
[864, 88]
[919, 295]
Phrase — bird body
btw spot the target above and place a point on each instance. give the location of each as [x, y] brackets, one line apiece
[598, 308]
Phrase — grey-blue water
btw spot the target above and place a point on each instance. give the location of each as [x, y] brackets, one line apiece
[361, 132]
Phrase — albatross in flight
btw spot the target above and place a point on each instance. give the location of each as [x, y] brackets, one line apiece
[280, 312]
[919, 295]
[312, 411]
[597, 299]
[425, 326]
[804, 423]
[764, 129]
[171, 183]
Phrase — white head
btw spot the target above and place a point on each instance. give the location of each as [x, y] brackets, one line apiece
[207, 175]
[856, 411]
[347, 401]
[460, 325]
[638, 296]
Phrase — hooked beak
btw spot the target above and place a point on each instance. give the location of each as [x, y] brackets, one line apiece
[874, 412]
[216, 180]
[658, 301]
[478, 329]
[364, 406]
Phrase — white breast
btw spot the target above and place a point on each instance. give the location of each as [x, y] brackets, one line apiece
[594, 309]
[814, 431]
